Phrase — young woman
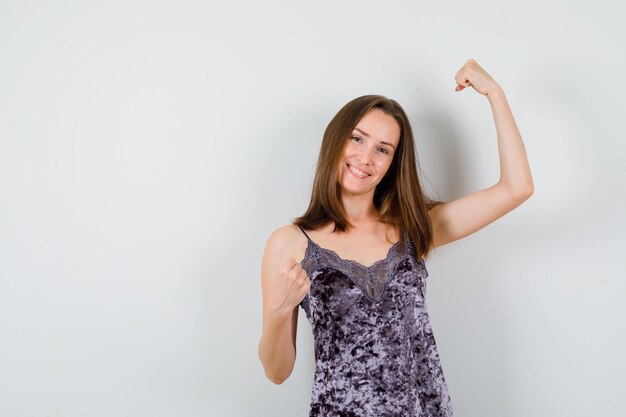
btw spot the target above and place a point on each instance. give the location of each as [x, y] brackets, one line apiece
[354, 262]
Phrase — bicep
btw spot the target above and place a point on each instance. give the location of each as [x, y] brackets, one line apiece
[459, 218]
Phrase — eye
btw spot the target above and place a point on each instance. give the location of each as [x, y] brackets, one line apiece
[384, 150]
[356, 137]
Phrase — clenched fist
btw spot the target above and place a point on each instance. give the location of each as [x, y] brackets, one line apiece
[289, 287]
[472, 75]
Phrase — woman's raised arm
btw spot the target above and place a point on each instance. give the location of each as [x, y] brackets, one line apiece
[459, 218]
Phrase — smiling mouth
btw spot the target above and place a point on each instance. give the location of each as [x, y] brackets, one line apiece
[357, 173]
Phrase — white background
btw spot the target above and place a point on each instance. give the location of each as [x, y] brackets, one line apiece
[149, 148]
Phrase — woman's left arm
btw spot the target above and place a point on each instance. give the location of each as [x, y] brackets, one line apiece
[461, 217]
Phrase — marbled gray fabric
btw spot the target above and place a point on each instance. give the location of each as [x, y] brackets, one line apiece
[375, 353]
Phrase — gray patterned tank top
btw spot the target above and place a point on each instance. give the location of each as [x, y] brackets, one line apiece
[375, 353]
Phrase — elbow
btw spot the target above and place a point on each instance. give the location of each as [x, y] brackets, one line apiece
[528, 191]
[524, 193]
[518, 191]
[276, 379]
[276, 376]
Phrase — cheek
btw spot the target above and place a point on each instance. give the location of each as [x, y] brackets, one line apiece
[385, 167]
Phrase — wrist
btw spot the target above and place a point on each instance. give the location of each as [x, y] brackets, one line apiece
[495, 91]
[279, 314]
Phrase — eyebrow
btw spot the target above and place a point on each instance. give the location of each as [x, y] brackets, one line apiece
[382, 141]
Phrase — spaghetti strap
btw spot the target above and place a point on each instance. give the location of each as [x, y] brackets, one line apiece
[307, 236]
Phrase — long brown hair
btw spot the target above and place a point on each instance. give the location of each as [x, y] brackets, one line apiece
[398, 197]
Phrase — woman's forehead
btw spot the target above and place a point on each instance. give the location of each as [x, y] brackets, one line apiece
[380, 126]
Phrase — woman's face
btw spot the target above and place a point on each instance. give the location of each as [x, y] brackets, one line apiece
[370, 149]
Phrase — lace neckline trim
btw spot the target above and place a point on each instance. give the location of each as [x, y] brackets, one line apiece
[390, 252]
[371, 280]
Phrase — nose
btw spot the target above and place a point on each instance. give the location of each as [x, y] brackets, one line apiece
[364, 157]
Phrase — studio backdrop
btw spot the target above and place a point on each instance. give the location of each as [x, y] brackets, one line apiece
[148, 150]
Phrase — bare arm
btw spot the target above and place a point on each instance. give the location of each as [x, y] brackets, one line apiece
[464, 216]
[284, 284]
[514, 169]
[277, 347]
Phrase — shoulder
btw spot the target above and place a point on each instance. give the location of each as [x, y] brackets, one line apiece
[287, 239]
[284, 234]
